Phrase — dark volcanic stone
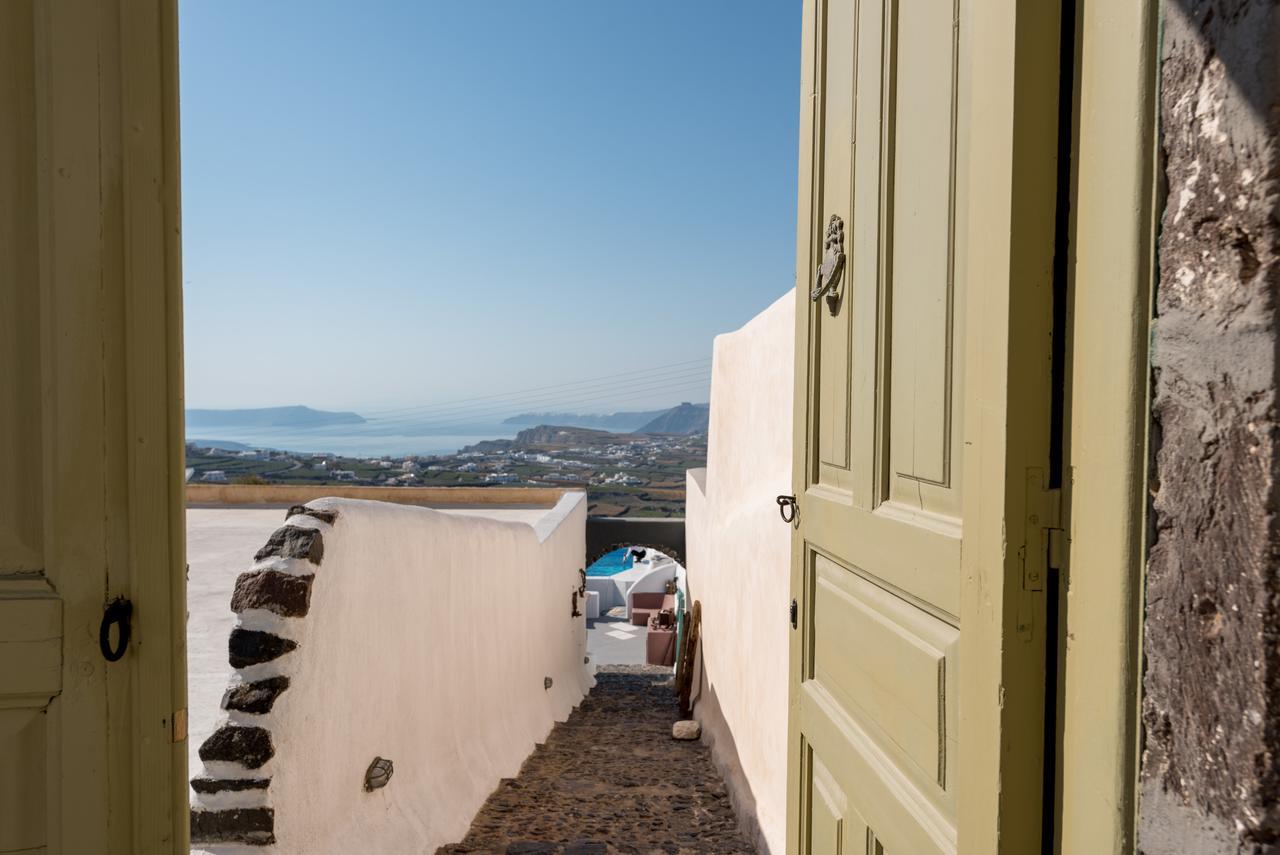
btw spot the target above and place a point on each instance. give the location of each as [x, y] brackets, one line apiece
[228, 785]
[292, 541]
[1210, 766]
[315, 513]
[250, 746]
[250, 647]
[254, 826]
[256, 697]
[283, 593]
[577, 795]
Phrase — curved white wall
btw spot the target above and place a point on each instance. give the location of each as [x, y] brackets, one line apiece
[427, 642]
[652, 577]
[739, 559]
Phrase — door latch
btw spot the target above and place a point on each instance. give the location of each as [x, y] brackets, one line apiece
[788, 508]
[119, 613]
[795, 614]
[1044, 545]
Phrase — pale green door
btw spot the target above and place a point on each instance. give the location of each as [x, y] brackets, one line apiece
[927, 190]
[92, 728]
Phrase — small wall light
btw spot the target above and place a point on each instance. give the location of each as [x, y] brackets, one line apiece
[378, 775]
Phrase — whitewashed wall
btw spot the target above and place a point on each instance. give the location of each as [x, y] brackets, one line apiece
[739, 554]
[427, 641]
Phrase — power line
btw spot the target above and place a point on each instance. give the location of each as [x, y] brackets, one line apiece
[688, 385]
[655, 368]
[536, 399]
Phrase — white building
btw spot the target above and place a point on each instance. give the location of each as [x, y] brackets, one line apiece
[623, 479]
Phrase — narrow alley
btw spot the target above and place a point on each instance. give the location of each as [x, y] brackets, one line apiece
[611, 779]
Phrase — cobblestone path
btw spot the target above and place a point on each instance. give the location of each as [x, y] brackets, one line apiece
[612, 780]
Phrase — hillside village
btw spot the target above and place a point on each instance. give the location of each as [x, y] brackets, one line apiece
[625, 474]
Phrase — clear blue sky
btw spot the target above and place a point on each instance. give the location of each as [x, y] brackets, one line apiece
[389, 204]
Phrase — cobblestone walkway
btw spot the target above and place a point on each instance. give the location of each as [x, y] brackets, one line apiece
[612, 780]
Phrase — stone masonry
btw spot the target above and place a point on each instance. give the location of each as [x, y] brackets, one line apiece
[1210, 775]
[611, 779]
[233, 803]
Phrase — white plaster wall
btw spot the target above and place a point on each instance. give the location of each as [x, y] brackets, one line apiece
[427, 642]
[739, 558]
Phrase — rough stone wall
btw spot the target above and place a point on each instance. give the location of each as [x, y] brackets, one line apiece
[233, 799]
[1210, 776]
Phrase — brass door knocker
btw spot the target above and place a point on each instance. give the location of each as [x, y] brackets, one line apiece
[832, 266]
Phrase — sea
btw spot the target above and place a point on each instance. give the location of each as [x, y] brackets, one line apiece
[612, 563]
[347, 440]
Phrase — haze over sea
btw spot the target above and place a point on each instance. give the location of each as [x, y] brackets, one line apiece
[302, 429]
[355, 440]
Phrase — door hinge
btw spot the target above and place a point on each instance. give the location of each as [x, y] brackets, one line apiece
[1044, 546]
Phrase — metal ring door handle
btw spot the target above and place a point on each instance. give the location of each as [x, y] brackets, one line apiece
[119, 612]
[788, 507]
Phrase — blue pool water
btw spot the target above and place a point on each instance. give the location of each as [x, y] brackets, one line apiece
[611, 563]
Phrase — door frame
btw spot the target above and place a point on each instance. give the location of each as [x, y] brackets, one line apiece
[1115, 209]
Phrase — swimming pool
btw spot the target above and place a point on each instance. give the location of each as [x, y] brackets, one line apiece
[611, 563]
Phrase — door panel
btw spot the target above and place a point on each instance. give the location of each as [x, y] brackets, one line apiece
[835, 334]
[922, 401]
[831, 825]
[900, 687]
[827, 829]
[919, 215]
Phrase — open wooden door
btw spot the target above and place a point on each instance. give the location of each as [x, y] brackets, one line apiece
[927, 195]
[92, 747]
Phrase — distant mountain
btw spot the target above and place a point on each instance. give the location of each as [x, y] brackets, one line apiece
[684, 419]
[551, 437]
[621, 422]
[568, 436]
[273, 417]
[219, 444]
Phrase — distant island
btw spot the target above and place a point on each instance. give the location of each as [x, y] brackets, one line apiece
[619, 422]
[684, 419]
[551, 437]
[270, 417]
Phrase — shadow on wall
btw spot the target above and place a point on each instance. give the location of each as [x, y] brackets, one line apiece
[739, 566]
[724, 749]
